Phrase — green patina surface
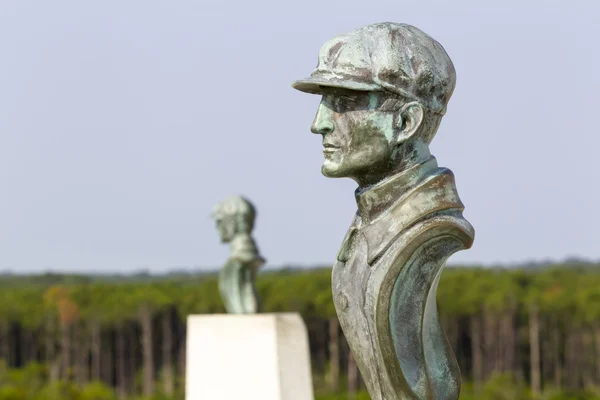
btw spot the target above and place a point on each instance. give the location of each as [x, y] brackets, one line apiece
[235, 218]
[385, 88]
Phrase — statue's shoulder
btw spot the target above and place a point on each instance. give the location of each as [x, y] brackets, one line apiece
[443, 223]
[404, 281]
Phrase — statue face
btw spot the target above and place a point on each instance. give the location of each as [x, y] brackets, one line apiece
[226, 228]
[357, 135]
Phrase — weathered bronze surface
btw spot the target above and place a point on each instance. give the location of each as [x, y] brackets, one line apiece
[384, 91]
[235, 220]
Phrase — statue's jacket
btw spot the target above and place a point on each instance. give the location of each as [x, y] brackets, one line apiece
[385, 280]
[237, 277]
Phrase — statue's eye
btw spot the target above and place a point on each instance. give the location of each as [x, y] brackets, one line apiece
[341, 102]
[345, 102]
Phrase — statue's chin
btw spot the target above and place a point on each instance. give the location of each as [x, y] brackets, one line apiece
[331, 171]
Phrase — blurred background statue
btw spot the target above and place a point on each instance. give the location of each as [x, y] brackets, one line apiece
[235, 220]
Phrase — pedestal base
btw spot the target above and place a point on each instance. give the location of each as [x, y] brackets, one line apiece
[249, 357]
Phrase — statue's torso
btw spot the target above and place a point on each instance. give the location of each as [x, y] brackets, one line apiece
[379, 293]
[237, 277]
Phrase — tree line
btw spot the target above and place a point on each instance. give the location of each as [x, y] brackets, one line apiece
[531, 331]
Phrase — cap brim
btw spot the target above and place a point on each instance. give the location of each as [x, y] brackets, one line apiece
[314, 85]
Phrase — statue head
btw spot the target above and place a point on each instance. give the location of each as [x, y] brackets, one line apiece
[234, 215]
[384, 90]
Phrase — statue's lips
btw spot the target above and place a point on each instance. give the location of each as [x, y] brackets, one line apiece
[329, 148]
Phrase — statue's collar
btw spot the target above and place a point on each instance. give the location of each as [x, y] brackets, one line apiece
[374, 200]
[385, 210]
[243, 248]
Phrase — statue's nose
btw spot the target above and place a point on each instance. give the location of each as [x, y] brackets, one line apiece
[323, 123]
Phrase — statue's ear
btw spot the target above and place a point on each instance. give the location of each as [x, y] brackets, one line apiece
[410, 118]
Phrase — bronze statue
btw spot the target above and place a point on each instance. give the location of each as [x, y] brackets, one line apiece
[235, 220]
[384, 91]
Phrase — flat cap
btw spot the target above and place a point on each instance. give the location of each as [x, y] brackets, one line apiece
[234, 205]
[387, 56]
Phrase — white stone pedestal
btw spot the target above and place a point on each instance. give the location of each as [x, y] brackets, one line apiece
[248, 357]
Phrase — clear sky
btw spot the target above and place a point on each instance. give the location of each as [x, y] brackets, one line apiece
[123, 122]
